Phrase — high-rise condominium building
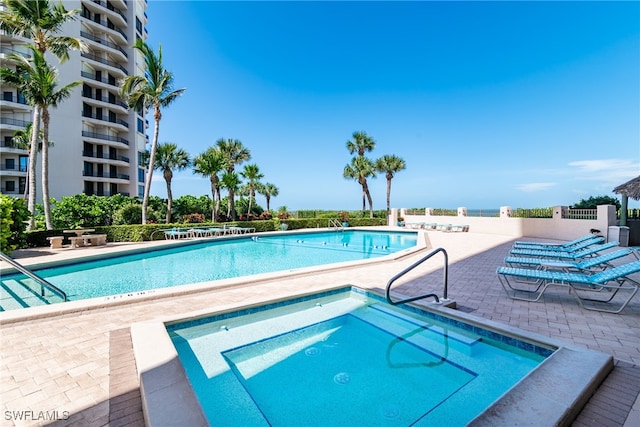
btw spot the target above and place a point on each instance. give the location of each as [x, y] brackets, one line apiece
[97, 141]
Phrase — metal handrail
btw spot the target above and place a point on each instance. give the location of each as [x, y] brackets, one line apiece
[336, 224]
[411, 267]
[32, 275]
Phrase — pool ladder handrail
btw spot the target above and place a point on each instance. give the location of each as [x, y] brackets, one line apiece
[336, 224]
[43, 283]
[411, 267]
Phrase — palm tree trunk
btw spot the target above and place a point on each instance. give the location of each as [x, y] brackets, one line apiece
[268, 200]
[214, 209]
[388, 196]
[45, 168]
[167, 177]
[157, 116]
[33, 157]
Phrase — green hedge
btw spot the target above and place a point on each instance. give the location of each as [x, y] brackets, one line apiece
[139, 233]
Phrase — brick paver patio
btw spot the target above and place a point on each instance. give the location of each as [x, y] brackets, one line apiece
[78, 368]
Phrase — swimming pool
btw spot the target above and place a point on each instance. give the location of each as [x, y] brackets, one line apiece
[345, 357]
[201, 261]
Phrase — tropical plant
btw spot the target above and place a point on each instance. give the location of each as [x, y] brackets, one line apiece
[252, 174]
[361, 143]
[231, 181]
[593, 202]
[13, 214]
[40, 21]
[268, 190]
[361, 167]
[233, 153]
[210, 164]
[390, 165]
[37, 81]
[169, 158]
[22, 139]
[153, 90]
[188, 204]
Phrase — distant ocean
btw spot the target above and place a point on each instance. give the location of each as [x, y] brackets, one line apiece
[483, 212]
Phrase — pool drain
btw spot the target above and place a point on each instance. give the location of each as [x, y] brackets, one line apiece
[342, 378]
[390, 411]
[312, 352]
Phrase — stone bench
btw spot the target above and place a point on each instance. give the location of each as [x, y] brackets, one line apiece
[95, 239]
[76, 241]
[55, 242]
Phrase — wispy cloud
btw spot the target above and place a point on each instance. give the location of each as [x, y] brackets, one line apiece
[610, 171]
[535, 186]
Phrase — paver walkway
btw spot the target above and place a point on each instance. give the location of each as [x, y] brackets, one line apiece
[78, 368]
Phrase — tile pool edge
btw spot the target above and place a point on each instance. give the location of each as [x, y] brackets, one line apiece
[553, 394]
[59, 309]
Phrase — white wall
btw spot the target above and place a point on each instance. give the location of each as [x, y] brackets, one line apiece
[550, 228]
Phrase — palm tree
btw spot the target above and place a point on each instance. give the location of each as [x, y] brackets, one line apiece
[268, 190]
[234, 153]
[360, 169]
[361, 143]
[390, 164]
[154, 89]
[252, 174]
[211, 163]
[22, 139]
[231, 181]
[37, 81]
[39, 21]
[169, 158]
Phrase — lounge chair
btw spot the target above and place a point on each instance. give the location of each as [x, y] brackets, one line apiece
[543, 247]
[570, 256]
[554, 244]
[600, 262]
[176, 233]
[609, 281]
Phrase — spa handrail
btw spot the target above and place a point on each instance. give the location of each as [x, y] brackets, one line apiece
[43, 283]
[411, 267]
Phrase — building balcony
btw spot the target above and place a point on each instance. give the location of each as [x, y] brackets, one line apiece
[112, 120]
[7, 50]
[103, 24]
[105, 101]
[15, 124]
[104, 44]
[92, 77]
[104, 137]
[14, 192]
[13, 171]
[108, 8]
[108, 175]
[14, 102]
[106, 156]
[114, 65]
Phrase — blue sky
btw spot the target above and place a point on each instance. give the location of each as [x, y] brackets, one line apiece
[525, 104]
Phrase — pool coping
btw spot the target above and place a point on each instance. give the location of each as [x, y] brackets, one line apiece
[69, 307]
[553, 394]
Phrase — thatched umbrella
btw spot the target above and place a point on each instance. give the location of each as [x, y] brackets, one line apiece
[628, 189]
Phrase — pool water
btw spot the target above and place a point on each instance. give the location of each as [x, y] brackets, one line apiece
[201, 262]
[347, 359]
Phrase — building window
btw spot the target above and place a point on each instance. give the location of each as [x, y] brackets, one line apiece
[22, 184]
[10, 164]
[138, 25]
[10, 186]
[24, 163]
[141, 191]
[141, 175]
[140, 125]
